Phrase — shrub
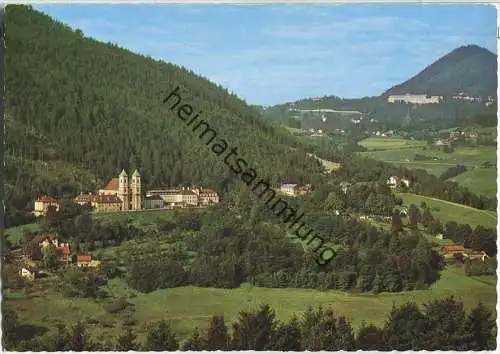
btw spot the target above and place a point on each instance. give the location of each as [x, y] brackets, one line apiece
[116, 306]
[129, 321]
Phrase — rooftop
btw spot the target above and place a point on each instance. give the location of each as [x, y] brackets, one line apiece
[46, 199]
[112, 185]
[107, 199]
[154, 197]
[83, 258]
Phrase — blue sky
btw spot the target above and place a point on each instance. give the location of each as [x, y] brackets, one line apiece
[269, 54]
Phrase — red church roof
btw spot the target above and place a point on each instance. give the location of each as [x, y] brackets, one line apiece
[112, 185]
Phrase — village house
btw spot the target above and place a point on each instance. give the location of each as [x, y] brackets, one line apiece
[63, 250]
[29, 273]
[289, 189]
[403, 211]
[100, 203]
[107, 203]
[395, 181]
[84, 199]
[450, 251]
[344, 186]
[86, 261]
[308, 188]
[189, 197]
[206, 196]
[153, 202]
[473, 255]
[465, 98]
[42, 205]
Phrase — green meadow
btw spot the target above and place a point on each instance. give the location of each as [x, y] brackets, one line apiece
[480, 180]
[390, 143]
[191, 307]
[143, 217]
[402, 152]
[448, 211]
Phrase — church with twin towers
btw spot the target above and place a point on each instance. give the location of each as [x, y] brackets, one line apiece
[130, 193]
[127, 190]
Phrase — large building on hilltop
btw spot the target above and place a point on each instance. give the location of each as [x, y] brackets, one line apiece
[414, 99]
[128, 193]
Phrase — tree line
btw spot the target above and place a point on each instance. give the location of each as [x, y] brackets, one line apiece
[436, 325]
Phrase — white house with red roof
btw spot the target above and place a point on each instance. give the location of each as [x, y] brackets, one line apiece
[42, 204]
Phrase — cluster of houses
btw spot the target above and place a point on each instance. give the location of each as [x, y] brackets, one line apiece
[122, 194]
[462, 97]
[395, 181]
[294, 190]
[30, 270]
[451, 251]
[315, 133]
[386, 133]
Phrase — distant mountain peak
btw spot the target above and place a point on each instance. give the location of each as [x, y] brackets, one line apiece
[470, 69]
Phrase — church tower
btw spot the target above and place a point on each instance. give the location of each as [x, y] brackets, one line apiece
[123, 190]
[135, 187]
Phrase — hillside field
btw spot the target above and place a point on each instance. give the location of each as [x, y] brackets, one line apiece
[402, 152]
[448, 211]
[390, 143]
[143, 217]
[479, 180]
[190, 307]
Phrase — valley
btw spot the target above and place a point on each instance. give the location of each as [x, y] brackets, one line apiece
[403, 152]
[178, 251]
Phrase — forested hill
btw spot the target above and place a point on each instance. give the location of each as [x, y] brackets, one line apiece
[470, 69]
[100, 107]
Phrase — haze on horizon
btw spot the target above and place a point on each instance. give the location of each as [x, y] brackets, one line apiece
[271, 54]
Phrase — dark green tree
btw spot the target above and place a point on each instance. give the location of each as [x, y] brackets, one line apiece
[254, 331]
[370, 337]
[405, 327]
[159, 337]
[397, 223]
[288, 337]
[195, 342]
[481, 327]
[414, 216]
[126, 341]
[217, 335]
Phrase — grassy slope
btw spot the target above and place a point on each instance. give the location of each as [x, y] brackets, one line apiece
[448, 211]
[144, 217]
[386, 143]
[400, 151]
[479, 180]
[190, 307]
